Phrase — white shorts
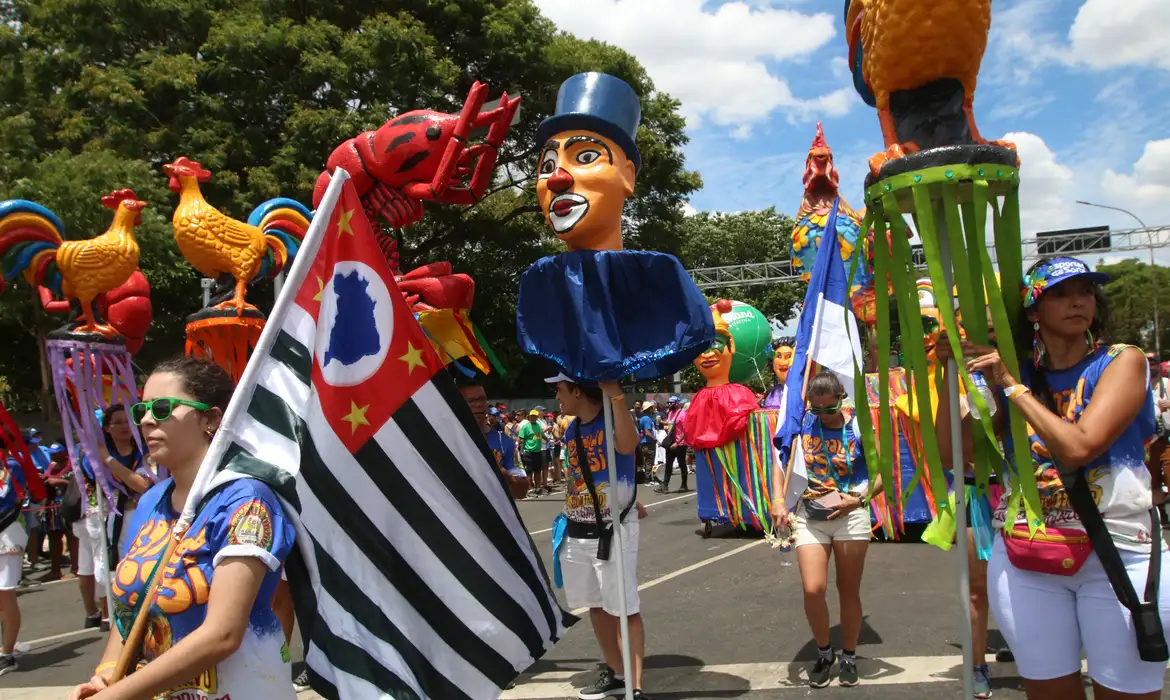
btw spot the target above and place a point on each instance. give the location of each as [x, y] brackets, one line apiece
[1047, 620]
[10, 571]
[852, 527]
[91, 555]
[590, 583]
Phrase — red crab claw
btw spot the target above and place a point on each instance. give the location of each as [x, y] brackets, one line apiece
[437, 287]
[457, 160]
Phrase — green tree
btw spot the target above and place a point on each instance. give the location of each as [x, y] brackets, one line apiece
[1130, 295]
[716, 240]
[261, 91]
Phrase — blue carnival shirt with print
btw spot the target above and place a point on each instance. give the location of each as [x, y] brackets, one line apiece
[820, 445]
[242, 519]
[504, 450]
[1118, 479]
[578, 502]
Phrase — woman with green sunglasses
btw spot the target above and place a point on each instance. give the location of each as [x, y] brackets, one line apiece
[832, 520]
[212, 619]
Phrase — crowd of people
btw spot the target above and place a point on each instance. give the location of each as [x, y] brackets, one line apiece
[1096, 443]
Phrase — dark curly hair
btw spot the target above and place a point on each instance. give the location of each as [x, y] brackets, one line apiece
[204, 380]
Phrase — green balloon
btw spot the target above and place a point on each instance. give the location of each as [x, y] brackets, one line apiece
[752, 334]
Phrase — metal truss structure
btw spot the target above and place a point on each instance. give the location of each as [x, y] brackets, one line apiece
[1081, 244]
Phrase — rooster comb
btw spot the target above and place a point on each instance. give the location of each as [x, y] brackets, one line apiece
[819, 142]
[113, 199]
[194, 166]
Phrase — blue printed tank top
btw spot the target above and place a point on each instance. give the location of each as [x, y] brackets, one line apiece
[1117, 479]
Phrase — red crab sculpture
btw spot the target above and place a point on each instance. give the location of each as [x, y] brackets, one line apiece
[420, 156]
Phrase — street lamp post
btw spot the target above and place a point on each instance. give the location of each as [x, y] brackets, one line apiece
[1153, 270]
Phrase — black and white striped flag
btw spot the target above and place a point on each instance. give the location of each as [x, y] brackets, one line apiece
[413, 576]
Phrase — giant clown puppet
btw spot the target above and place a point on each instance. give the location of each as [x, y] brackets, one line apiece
[598, 311]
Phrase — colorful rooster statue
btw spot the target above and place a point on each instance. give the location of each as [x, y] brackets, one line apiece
[235, 254]
[820, 194]
[917, 63]
[32, 244]
[225, 249]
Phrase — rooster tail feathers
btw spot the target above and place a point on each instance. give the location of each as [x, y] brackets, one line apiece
[854, 14]
[284, 222]
[29, 238]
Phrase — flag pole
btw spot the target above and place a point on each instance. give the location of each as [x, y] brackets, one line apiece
[618, 542]
[235, 410]
[957, 480]
[238, 406]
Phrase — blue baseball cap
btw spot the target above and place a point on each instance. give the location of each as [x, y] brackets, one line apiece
[493, 411]
[674, 399]
[1052, 272]
[55, 448]
[32, 436]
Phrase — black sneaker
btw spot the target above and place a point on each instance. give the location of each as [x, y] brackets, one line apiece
[1005, 656]
[607, 685]
[7, 664]
[639, 695]
[847, 675]
[301, 682]
[93, 622]
[818, 677]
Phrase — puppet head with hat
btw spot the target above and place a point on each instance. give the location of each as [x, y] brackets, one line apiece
[715, 363]
[589, 160]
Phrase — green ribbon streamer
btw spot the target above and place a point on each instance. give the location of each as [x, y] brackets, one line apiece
[885, 445]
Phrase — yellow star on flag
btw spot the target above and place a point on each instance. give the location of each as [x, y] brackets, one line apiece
[343, 221]
[356, 417]
[413, 357]
[320, 289]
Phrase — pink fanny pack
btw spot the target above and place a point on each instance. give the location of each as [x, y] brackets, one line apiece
[1058, 551]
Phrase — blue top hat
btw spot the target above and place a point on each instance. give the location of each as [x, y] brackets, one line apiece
[597, 102]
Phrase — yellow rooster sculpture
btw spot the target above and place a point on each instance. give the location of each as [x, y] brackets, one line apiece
[225, 249]
[31, 244]
[917, 62]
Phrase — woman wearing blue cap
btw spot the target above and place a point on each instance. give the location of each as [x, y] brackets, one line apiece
[1089, 415]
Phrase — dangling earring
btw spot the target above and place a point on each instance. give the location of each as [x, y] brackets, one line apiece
[1090, 340]
[1038, 349]
[210, 433]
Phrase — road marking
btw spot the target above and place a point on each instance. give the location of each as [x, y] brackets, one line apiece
[648, 505]
[33, 644]
[741, 678]
[686, 569]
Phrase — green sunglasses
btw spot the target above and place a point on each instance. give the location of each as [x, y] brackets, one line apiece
[162, 409]
[826, 409]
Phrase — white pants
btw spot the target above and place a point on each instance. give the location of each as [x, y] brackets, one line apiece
[91, 555]
[590, 583]
[1047, 620]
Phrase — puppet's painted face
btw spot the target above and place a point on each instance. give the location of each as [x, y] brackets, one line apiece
[782, 362]
[715, 364]
[583, 182]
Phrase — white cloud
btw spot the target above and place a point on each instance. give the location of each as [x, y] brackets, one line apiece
[718, 62]
[1045, 185]
[688, 210]
[1113, 33]
[1145, 192]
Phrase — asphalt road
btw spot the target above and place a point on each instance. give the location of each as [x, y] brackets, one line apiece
[723, 616]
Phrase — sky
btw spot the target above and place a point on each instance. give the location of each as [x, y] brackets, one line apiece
[1081, 86]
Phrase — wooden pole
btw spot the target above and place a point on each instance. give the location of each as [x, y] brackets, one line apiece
[133, 643]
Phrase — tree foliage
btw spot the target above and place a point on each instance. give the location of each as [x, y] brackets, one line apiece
[97, 95]
[1131, 307]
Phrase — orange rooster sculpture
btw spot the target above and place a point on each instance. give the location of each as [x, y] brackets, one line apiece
[225, 249]
[32, 245]
[917, 63]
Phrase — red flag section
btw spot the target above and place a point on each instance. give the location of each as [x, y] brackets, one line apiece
[370, 353]
[13, 443]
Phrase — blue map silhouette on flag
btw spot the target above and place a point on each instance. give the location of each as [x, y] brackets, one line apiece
[354, 334]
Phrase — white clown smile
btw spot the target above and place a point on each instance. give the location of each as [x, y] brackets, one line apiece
[566, 210]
